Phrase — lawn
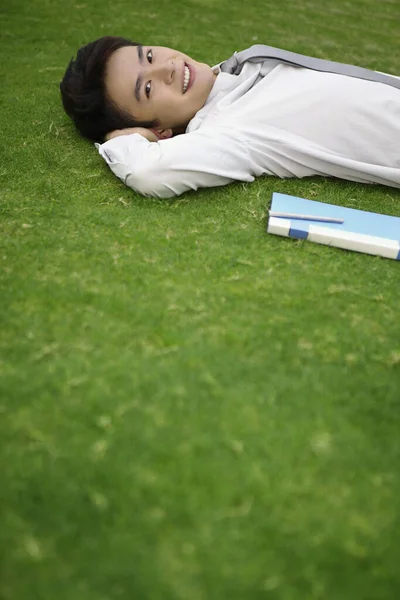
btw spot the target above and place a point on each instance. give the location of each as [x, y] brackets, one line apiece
[190, 409]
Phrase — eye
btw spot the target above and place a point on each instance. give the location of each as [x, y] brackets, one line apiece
[147, 89]
[149, 56]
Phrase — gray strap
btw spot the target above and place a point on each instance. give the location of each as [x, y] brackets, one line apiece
[259, 53]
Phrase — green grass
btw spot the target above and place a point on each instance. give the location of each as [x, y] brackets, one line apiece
[190, 409]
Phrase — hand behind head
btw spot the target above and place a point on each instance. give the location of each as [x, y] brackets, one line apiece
[153, 135]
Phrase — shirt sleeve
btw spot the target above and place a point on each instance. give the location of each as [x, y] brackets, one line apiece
[204, 158]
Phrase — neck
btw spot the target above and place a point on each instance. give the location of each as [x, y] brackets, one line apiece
[179, 130]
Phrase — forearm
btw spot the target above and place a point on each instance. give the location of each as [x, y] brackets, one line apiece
[174, 166]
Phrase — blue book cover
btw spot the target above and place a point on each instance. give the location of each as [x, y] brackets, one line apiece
[360, 230]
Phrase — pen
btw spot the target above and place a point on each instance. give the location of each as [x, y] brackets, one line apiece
[284, 215]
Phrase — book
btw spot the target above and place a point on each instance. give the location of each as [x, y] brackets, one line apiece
[333, 225]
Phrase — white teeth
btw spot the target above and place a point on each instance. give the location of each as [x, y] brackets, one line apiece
[186, 79]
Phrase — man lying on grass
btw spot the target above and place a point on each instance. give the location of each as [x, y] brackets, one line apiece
[170, 124]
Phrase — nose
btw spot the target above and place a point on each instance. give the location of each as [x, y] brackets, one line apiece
[165, 72]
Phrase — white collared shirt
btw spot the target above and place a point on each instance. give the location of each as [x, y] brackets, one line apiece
[272, 119]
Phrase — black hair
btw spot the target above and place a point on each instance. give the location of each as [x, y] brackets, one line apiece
[84, 95]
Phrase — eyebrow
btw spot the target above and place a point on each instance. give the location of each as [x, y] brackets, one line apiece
[138, 85]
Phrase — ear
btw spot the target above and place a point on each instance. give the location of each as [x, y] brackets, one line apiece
[162, 134]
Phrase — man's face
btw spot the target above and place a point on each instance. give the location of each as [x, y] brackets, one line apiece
[156, 83]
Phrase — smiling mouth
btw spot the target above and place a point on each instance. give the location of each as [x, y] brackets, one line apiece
[186, 79]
